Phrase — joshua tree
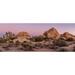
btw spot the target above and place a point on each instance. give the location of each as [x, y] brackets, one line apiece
[9, 36]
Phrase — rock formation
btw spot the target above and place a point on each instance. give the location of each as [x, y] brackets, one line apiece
[52, 33]
[68, 36]
[22, 36]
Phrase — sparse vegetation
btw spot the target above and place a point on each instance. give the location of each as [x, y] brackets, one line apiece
[27, 46]
[23, 42]
[74, 48]
[62, 50]
[2, 40]
[17, 43]
[37, 38]
[9, 36]
[70, 39]
[60, 43]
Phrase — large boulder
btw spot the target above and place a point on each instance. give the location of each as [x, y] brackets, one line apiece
[52, 33]
[68, 36]
[22, 36]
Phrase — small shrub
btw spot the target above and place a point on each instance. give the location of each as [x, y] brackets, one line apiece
[60, 43]
[62, 50]
[11, 41]
[27, 47]
[37, 38]
[2, 40]
[74, 48]
[53, 47]
[17, 43]
[0, 50]
[70, 39]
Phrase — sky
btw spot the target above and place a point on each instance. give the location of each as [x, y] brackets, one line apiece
[36, 28]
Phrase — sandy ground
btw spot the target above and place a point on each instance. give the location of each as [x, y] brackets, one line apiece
[5, 48]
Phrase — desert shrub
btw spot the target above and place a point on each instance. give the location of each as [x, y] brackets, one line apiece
[11, 41]
[74, 48]
[46, 46]
[6, 47]
[60, 43]
[70, 39]
[37, 38]
[9, 35]
[62, 50]
[2, 40]
[62, 38]
[27, 46]
[53, 47]
[46, 38]
[17, 43]
[39, 45]
[0, 50]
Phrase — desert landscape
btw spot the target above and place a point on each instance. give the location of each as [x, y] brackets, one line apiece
[51, 40]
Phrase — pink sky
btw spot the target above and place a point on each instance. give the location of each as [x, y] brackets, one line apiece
[36, 28]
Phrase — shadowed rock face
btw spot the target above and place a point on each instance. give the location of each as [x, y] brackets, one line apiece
[52, 33]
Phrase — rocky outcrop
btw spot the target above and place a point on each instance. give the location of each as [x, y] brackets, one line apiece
[68, 36]
[52, 33]
[22, 36]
